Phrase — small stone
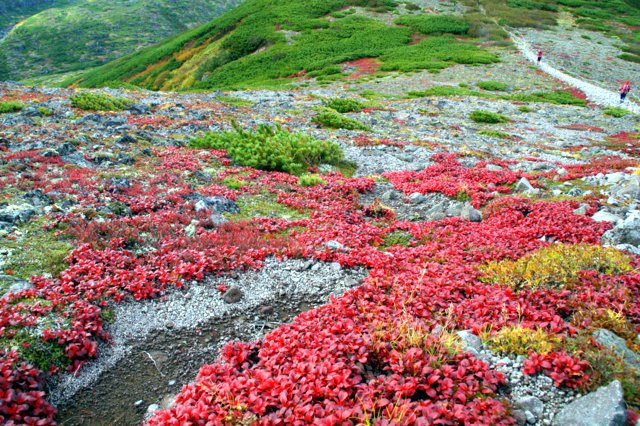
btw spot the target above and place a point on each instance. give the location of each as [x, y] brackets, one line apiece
[169, 324]
[389, 195]
[493, 167]
[335, 245]
[153, 408]
[531, 404]
[582, 210]
[531, 419]
[233, 295]
[138, 403]
[471, 214]
[336, 267]
[265, 310]
[520, 416]
[524, 185]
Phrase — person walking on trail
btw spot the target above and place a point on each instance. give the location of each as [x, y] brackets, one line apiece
[539, 55]
[624, 90]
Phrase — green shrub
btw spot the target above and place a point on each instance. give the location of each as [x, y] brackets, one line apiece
[493, 85]
[434, 24]
[616, 112]
[235, 101]
[272, 148]
[45, 111]
[557, 97]
[311, 180]
[630, 58]
[495, 134]
[482, 116]
[332, 119]
[396, 238]
[524, 108]
[344, 105]
[99, 102]
[10, 106]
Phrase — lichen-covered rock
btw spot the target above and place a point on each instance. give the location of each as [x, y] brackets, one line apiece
[604, 407]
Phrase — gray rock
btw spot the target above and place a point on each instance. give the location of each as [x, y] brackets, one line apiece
[520, 416]
[493, 167]
[20, 285]
[138, 403]
[531, 419]
[138, 109]
[582, 210]
[389, 195]
[417, 198]
[66, 149]
[114, 121]
[531, 404]
[336, 267]
[605, 216]
[604, 407]
[233, 295]
[524, 185]
[575, 192]
[471, 214]
[470, 342]
[153, 408]
[335, 245]
[619, 346]
[454, 210]
[16, 213]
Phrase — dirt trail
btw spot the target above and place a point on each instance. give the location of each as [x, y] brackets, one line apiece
[595, 94]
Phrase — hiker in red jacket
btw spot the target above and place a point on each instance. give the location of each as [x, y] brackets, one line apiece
[624, 90]
[539, 56]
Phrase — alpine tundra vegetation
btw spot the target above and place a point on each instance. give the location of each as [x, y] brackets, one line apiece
[319, 212]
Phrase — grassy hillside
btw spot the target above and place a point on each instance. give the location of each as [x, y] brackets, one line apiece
[46, 37]
[271, 43]
[263, 42]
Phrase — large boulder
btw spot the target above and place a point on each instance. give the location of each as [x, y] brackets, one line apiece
[619, 346]
[604, 407]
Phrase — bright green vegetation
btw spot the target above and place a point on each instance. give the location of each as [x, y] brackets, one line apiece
[434, 24]
[524, 108]
[36, 351]
[496, 86]
[28, 258]
[10, 106]
[272, 148]
[45, 111]
[494, 134]
[556, 97]
[311, 180]
[344, 105]
[235, 101]
[263, 205]
[616, 112]
[67, 35]
[482, 116]
[435, 53]
[267, 44]
[334, 120]
[99, 102]
[396, 238]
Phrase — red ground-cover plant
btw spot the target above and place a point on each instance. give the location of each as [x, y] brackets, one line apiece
[451, 178]
[564, 369]
[372, 354]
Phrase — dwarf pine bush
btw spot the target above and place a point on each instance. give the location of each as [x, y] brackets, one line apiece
[332, 119]
[482, 116]
[272, 148]
[344, 105]
[99, 102]
[10, 106]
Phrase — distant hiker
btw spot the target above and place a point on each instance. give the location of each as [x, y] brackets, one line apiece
[539, 55]
[624, 90]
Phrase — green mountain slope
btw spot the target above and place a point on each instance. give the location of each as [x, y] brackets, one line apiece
[263, 42]
[268, 43]
[53, 36]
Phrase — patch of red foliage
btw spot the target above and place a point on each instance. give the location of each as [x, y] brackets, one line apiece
[581, 127]
[364, 67]
[627, 142]
[356, 357]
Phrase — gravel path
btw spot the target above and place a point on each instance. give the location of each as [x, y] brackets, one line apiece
[594, 93]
